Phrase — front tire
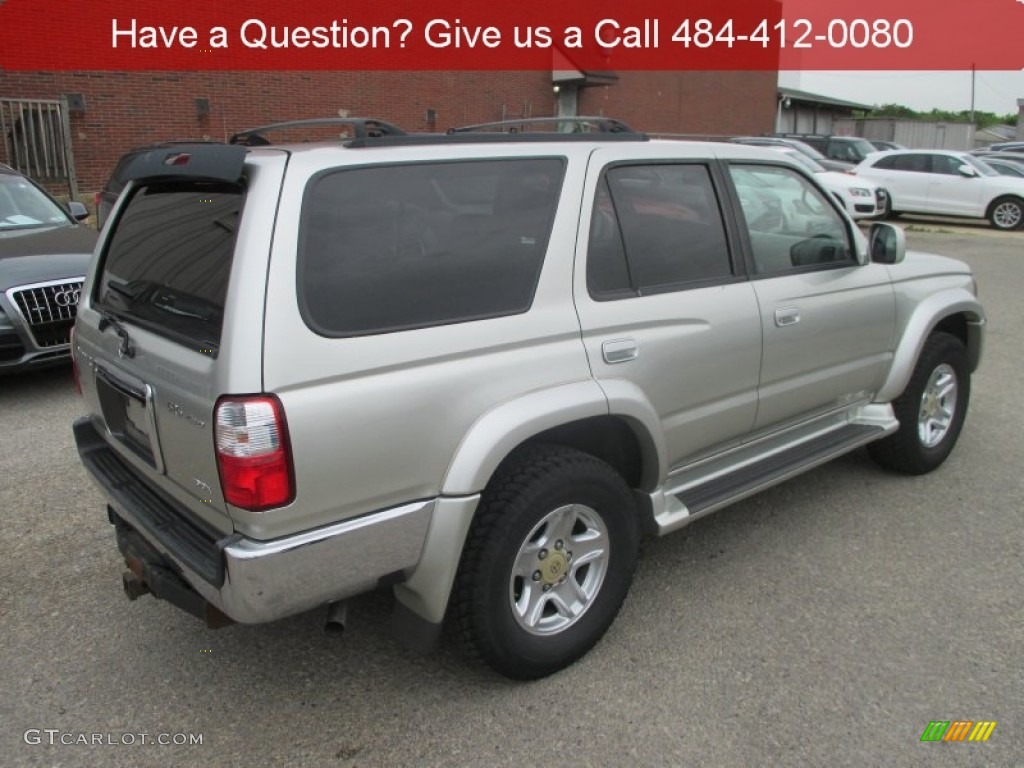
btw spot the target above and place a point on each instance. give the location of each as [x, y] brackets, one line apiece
[931, 409]
[548, 561]
[1007, 213]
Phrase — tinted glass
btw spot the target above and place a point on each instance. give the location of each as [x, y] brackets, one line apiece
[790, 222]
[396, 247]
[917, 163]
[666, 219]
[946, 165]
[169, 258]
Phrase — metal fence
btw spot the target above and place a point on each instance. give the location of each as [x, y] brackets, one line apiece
[37, 140]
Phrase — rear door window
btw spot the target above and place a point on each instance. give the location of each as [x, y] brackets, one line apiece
[167, 263]
[655, 228]
[396, 247]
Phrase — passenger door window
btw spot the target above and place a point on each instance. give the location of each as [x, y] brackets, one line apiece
[790, 222]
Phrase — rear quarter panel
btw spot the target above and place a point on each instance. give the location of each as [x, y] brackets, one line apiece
[375, 420]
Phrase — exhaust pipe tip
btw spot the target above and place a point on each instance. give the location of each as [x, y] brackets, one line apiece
[337, 618]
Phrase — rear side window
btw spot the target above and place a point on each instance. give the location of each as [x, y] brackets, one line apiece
[655, 228]
[167, 263]
[396, 247]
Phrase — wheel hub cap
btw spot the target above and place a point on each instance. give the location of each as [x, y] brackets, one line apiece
[559, 570]
[554, 568]
[938, 406]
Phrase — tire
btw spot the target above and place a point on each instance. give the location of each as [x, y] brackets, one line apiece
[1006, 213]
[931, 409]
[889, 213]
[551, 518]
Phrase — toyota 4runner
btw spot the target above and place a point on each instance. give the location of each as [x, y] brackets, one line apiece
[476, 368]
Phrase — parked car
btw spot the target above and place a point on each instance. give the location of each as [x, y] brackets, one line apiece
[1003, 167]
[850, 149]
[43, 255]
[1017, 158]
[118, 178]
[800, 146]
[1007, 146]
[945, 182]
[258, 136]
[475, 368]
[881, 145]
[861, 198]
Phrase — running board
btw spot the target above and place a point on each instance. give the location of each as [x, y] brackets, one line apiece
[695, 499]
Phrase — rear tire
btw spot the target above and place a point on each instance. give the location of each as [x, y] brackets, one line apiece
[548, 561]
[1007, 213]
[931, 409]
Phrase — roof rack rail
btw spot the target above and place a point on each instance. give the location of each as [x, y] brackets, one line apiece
[362, 128]
[577, 125]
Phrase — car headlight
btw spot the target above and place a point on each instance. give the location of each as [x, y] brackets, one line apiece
[860, 192]
[6, 324]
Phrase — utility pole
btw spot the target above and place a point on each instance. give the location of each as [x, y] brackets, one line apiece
[973, 73]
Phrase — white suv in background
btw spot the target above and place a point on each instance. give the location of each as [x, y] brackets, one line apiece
[943, 182]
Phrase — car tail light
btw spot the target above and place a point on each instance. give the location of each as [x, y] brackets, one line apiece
[74, 361]
[253, 454]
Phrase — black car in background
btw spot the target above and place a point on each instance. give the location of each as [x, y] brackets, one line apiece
[44, 251]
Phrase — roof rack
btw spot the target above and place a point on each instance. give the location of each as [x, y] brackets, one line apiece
[362, 128]
[576, 125]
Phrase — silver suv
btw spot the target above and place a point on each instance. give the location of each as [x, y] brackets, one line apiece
[476, 368]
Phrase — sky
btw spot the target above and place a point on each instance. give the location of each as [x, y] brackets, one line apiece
[993, 92]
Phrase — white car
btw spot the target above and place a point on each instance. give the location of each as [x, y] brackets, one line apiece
[946, 183]
[861, 198]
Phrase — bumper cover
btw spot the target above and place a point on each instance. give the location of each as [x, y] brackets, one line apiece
[252, 581]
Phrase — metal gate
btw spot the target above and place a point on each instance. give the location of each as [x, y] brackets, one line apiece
[37, 140]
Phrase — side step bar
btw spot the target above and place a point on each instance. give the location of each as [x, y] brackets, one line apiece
[721, 489]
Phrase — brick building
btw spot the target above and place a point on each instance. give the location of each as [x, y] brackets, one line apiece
[111, 112]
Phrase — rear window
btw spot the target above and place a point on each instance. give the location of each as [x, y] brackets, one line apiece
[389, 248]
[167, 263]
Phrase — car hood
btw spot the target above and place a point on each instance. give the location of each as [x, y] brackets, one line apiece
[33, 256]
[836, 180]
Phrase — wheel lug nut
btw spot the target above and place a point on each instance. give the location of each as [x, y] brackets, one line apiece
[547, 587]
[558, 544]
[536, 575]
[542, 554]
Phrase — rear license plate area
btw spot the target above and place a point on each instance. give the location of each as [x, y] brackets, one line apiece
[127, 408]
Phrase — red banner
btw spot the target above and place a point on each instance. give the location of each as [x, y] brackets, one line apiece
[527, 34]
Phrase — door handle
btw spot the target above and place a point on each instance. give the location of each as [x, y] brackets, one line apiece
[619, 350]
[787, 316]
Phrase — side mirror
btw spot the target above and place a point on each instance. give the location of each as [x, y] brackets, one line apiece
[887, 244]
[78, 211]
[967, 171]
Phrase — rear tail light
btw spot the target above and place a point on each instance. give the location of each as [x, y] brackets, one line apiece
[253, 454]
[74, 361]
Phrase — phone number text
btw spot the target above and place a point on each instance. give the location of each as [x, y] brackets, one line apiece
[786, 33]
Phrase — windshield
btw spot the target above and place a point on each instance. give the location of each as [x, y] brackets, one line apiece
[980, 166]
[24, 206]
[806, 161]
[808, 150]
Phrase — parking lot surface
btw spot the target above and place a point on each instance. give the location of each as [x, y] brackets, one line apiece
[825, 622]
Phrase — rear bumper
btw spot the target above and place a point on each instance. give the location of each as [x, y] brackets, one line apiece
[247, 580]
